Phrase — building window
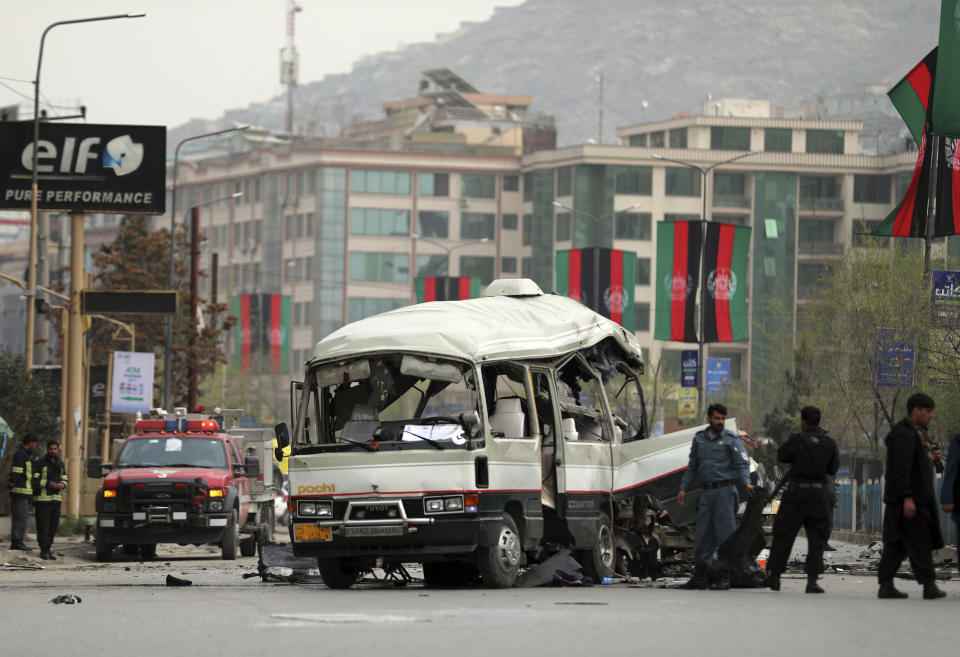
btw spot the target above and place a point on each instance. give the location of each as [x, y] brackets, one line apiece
[287, 228]
[434, 184]
[433, 223]
[682, 182]
[528, 186]
[634, 180]
[478, 185]
[871, 188]
[777, 140]
[378, 221]
[526, 265]
[374, 181]
[730, 190]
[511, 183]
[360, 307]
[476, 225]
[563, 226]
[638, 140]
[825, 141]
[808, 279]
[432, 265]
[815, 236]
[642, 314]
[726, 138]
[901, 183]
[643, 271]
[564, 181]
[300, 226]
[389, 267]
[820, 193]
[678, 138]
[633, 226]
[509, 222]
[673, 216]
[508, 265]
[256, 190]
[527, 236]
[657, 139]
[477, 266]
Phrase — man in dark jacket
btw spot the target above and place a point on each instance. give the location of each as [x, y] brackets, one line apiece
[21, 491]
[50, 478]
[911, 526]
[814, 459]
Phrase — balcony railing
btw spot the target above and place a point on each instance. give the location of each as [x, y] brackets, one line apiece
[727, 201]
[824, 204]
[819, 248]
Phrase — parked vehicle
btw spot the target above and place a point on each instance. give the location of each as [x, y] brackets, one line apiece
[478, 436]
[186, 480]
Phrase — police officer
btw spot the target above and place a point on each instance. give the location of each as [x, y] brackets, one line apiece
[814, 459]
[50, 478]
[718, 462]
[21, 491]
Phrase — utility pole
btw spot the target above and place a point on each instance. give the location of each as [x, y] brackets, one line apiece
[194, 307]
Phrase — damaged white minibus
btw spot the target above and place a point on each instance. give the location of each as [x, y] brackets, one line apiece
[477, 437]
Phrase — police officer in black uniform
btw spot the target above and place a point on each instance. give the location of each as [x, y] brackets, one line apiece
[813, 455]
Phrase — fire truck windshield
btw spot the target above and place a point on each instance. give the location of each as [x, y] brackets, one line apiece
[173, 451]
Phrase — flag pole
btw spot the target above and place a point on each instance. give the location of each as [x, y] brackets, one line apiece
[930, 226]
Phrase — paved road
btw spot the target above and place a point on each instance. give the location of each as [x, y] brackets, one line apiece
[127, 609]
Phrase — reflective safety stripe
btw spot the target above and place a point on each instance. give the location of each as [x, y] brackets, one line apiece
[44, 495]
[27, 488]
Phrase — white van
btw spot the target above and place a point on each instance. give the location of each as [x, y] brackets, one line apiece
[475, 437]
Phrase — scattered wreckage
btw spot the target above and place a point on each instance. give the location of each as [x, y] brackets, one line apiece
[477, 437]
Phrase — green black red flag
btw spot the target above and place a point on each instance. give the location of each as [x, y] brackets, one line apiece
[263, 327]
[602, 279]
[447, 288]
[725, 271]
[679, 245]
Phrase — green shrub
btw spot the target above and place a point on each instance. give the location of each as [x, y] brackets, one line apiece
[72, 526]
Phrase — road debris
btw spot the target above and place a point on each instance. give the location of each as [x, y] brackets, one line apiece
[20, 564]
[66, 599]
[177, 581]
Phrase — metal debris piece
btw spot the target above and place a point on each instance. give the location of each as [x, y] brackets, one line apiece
[20, 564]
[66, 599]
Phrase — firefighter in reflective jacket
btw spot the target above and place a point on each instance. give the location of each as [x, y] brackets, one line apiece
[50, 478]
[21, 490]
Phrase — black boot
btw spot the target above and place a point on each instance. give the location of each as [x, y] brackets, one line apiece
[699, 579]
[722, 583]
[812, 586]
[931, 591]
[889, 592]
[773, 581]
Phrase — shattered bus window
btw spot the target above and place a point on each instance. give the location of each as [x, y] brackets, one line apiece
[505, 391]
[580, 401]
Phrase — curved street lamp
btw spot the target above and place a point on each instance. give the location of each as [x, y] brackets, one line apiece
[168, 340]
[30, 292]
[597, 220]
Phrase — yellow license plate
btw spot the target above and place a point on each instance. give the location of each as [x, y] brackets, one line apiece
[311, 533]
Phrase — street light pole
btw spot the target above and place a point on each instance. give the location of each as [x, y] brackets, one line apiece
[701, 374]
[30, 292]
[597, 220]
[168, 342]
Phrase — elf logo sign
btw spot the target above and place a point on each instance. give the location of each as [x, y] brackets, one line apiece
[84, 167]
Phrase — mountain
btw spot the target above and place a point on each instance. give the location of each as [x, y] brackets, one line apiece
[668, 53]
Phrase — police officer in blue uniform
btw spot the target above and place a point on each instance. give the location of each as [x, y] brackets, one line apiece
[718, 462]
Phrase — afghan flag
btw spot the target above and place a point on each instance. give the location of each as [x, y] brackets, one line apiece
[911, 96]
[945, 115]
[678, 272]
[263, 328]
[602, 279]
[725, 270]
[447, 288]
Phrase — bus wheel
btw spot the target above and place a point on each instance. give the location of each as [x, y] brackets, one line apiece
[499, 563]
[598, 560]
[338, 573]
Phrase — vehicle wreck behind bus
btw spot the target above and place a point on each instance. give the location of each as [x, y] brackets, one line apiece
[476, 437]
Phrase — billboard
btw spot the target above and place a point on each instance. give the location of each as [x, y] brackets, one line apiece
[689, 368]
[84, 167]
[131, 387]
[718, 377]
[894, 359]
[946, 297]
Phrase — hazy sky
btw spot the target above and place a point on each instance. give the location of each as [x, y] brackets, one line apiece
[197, 58]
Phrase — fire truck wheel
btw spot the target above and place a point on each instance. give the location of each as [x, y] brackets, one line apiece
[231, 539]
[338, 573]
[499, 564]
[104, 550]
[598, 560]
